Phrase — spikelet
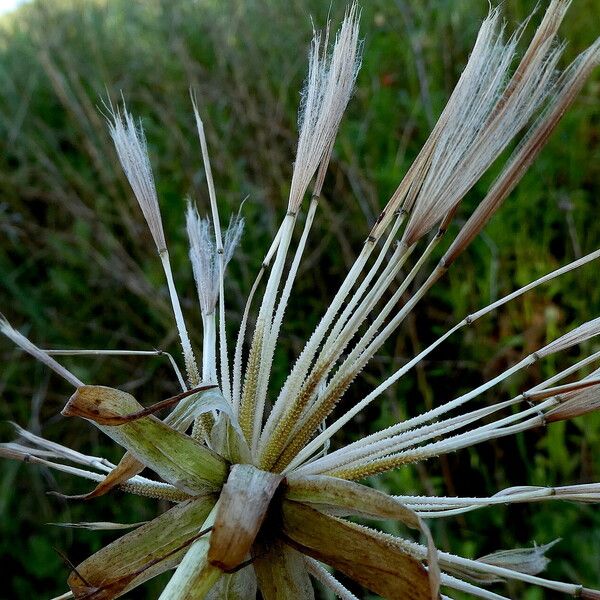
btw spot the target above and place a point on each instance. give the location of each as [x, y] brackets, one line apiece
[485, 112]
[328, 88]
[130, 144]
[578, 335]
[204, 254]
[524, 560]
[131, 147]
[562, 95]
[579, 401]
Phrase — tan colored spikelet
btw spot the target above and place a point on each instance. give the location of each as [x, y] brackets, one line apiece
[484, 114]
[132, 150]
[576, 336]
[575, 404]
[564, 94]
[328, 88]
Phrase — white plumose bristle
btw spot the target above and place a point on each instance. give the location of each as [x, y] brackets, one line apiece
[130, 144]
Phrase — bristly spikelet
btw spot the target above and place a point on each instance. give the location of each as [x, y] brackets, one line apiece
[132, 150]
[204, 255]
[327, 91]
[259, 500]
[131, 147]
[329, 86]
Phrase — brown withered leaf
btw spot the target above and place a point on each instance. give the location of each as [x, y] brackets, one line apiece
[369, 557]
[242, 507]
[114, 588]
[346, 498]
[142, 554]
[128, 467]
[176, 457]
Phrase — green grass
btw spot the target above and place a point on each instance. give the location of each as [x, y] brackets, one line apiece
[77, 265]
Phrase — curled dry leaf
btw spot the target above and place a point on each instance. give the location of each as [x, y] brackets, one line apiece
[176, 457]
[189, 405]
[128, 467]
[97, 408]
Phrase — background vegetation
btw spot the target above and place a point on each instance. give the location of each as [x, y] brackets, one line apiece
[78, 269]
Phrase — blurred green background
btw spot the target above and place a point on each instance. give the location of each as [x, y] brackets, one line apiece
[78, 267]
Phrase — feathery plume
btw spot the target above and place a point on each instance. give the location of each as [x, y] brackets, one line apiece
[328, 88]
[209, 260]
[563, 94]
[131, 147]
[484, 114]
[221, 252]
[132, 150]
[204, 255]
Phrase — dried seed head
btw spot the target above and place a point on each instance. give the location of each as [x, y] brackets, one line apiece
[204, 254]
[204, 540]
[131, 147]
[326, 94]
[483, 115]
